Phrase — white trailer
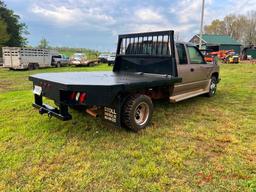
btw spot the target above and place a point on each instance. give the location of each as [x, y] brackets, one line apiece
[27, 58]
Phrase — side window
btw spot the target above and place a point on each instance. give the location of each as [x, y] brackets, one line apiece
[195, 56]
[182, 54]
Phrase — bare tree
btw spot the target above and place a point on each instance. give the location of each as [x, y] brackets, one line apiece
[250, 29]
[240, 27]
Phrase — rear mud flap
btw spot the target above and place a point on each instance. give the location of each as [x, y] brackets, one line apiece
[113, 112]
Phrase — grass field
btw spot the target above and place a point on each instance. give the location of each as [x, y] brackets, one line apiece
[202, 144]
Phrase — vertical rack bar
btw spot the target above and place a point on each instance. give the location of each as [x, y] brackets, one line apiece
[147, 46]
[142, 44]
[137, 45]
[152, 45]
[157, 45]
[133, 45]
[173, 67]
[125, 46]
[168, 49]
[162, 45]
[129, 45]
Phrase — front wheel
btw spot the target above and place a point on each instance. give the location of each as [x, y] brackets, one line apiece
[58, 65]
[30, 66]
[213, 87]
[137, 112]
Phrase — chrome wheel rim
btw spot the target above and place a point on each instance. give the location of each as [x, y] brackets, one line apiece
[141, 113]
[213, 87]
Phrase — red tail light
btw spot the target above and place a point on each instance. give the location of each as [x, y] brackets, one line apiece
[78, 96]
[72, 95]
[82, 97]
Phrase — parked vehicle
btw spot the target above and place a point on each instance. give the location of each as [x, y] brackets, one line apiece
[231, 57]
[148, 66]
[210, 57]
[111, 59]
[60, 60]
[249, 52]
[103, 57]
[80, 59]
[27, 58]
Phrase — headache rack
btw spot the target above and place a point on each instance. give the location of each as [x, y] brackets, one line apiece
[151, 52]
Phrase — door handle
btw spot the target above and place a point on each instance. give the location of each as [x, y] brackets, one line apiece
[192, 69]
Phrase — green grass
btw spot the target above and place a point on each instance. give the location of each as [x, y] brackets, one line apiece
[201, 144]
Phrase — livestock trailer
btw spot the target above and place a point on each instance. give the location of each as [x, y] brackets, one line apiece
[27, 58]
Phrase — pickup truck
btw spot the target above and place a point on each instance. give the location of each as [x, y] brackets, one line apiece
[148, 66]
[111, 59]
[60, 60]
[80, 59]
[103, 57]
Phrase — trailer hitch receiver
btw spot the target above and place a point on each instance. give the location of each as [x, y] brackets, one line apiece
[42, 111]
[61, 113]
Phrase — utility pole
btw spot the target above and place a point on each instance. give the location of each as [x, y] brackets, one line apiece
[202, 25]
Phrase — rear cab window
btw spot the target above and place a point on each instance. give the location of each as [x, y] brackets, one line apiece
[195, 56]
[155, 45]
[182, 55]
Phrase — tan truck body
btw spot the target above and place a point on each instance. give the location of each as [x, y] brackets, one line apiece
[196, 75]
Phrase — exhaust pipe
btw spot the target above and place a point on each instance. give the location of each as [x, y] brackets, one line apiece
[91, 112]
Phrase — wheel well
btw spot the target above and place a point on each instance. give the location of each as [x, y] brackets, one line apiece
[154, 93]
[216, 74]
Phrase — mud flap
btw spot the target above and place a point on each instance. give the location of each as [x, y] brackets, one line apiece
[113, 112]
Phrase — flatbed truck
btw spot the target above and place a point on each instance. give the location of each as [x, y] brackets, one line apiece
[148, 66]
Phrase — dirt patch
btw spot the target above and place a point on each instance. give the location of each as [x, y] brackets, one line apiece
[203, 178]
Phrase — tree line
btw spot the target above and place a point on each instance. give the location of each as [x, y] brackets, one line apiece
[12, 30]
[240, 27]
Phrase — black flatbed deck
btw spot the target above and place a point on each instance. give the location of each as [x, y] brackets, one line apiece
[98, 79]
[102, 87]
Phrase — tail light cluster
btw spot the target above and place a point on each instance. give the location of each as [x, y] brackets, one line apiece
[78, 96]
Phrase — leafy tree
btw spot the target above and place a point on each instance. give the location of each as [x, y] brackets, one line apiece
[4, 36]
[15, 28]
[43, 44]
[216, 27]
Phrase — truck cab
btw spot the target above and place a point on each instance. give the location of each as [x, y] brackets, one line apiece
[195, 72]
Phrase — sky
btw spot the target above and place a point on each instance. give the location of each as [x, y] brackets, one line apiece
[95, 24]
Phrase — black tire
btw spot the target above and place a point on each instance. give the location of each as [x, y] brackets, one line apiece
[30, 66]
[36, 66]
[213, 87]
[58, 65]
[137, 112]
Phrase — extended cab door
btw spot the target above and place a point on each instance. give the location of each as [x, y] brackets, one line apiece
[182, 67]
[191, 68]
[200, 70]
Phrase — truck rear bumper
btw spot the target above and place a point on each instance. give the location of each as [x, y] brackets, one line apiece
[60, 113]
